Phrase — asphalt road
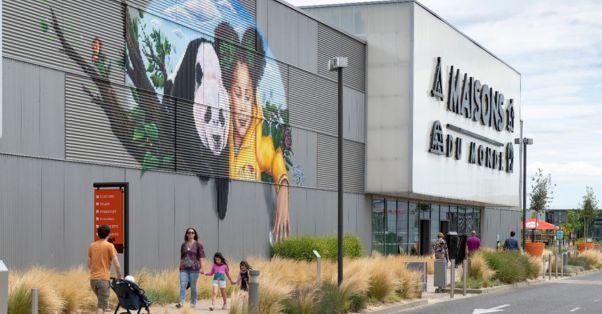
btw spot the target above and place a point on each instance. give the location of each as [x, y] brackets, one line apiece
[580, 294]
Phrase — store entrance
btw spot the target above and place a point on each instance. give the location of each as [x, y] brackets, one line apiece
[444, 227]
[425, 236]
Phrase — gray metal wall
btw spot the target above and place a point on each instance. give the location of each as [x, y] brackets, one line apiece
[499, 221]
[47, 215]
[56, 143]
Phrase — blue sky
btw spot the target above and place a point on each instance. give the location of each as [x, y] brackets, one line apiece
[557, 47]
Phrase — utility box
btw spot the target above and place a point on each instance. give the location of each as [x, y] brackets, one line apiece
[3, 288]
[421, 267]
[440, 277]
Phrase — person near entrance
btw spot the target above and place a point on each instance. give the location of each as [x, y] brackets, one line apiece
[473, 243]
[440, 247]
[101, 254]
[511, 243]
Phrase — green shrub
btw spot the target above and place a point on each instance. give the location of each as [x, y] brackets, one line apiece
[510, 267]
[162, 296]
[580, 261]
[19, 301]
[331, 299]
[300, 301]
[357, 302]
[301, 248]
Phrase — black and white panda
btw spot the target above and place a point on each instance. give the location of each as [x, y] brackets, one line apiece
[202, 117]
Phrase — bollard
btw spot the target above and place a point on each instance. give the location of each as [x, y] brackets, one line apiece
[452, 271]
[34, 301]
[465, 271]
[253, 291]
[3, 288]
[549, 266]
[318, 258]
[543, 267]
[562, 267]
[556, 262]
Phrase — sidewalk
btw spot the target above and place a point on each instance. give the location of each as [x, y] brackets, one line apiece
[202, 306]
[428, 297]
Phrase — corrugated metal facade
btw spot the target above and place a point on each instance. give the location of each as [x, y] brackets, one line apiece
[29, 35]
[60, 138]
[332, 43]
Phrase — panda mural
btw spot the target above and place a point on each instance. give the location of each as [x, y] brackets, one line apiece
[206, 97]
[202, 117]
[229, 97]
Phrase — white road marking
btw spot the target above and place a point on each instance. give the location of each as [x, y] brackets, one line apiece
[499, 308]
[596, 300]
[575, 309]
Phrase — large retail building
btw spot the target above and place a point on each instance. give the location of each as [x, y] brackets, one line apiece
[222, 116]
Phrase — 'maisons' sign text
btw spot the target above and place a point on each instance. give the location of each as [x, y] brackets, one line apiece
[478, 102]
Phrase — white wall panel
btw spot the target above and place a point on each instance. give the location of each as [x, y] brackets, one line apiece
[457, 179]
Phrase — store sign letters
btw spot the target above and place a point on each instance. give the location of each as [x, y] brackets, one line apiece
[482, 104]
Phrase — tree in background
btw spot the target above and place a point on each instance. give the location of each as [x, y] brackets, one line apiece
[589, 211]
[574, 222]
[541, 194]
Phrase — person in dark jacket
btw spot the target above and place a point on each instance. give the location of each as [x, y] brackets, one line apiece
[511, 243]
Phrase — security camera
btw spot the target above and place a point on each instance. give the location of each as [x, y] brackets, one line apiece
[337, 63]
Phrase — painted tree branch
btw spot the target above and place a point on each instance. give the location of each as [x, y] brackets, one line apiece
[151, 105]
[150, 54]
[121, 124]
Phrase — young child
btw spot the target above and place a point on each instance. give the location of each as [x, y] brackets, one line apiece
[243, 276]
[219, 271]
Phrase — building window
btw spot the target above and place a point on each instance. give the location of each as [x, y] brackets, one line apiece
[402, 226]
[391, 232]
[453, 218]
[413, 228]
[434, 221]
[378, 225]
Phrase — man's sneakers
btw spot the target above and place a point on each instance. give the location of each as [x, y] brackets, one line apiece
[178, 305]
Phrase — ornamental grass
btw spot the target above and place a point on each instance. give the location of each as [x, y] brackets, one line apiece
[287, 286]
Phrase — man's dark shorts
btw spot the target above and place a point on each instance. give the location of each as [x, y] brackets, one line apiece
[102, 290]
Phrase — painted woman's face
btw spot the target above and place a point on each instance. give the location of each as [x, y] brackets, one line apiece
[241, 100]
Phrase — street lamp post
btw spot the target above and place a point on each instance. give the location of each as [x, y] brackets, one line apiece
[338, 64]
[524, 141]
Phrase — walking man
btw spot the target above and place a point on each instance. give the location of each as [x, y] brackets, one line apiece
[511, 243]
[473, 243]
[100, 256]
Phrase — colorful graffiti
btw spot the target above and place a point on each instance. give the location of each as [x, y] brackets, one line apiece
[209, 100]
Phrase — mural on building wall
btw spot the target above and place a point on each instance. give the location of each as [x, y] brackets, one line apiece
[210, 101]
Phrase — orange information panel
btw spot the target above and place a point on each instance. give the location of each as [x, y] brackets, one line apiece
[108, 210]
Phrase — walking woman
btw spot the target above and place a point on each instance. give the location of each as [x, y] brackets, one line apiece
[191, 253]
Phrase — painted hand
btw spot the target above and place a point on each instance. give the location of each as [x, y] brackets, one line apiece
[282, 225]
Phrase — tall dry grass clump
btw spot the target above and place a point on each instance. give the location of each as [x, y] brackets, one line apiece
[239, 303]
[479, 269]
[381, 283]
[593, 258]
[19, 292]
[162, 287]
[74, 287]
[535, 266]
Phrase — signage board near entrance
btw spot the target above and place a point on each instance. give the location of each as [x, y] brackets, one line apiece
[109, 210]
[559, 234]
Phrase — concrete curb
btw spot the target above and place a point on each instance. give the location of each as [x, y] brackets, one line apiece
[400, 307]
[496, 288]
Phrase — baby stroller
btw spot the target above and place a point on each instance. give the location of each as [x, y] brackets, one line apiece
[130, 296]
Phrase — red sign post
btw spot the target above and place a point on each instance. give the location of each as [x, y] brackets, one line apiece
[111, 208]
[108, 210]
